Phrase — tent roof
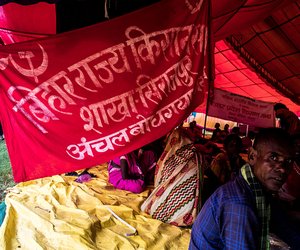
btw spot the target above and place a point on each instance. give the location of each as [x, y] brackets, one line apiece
[272, 48]
[261, 61]
[235, 75]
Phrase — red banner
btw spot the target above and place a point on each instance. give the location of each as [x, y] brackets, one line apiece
[81, 98]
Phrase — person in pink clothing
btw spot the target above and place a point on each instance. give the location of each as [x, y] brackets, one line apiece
[126, 174]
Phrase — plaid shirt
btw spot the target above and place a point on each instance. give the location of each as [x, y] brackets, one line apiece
[228, 219]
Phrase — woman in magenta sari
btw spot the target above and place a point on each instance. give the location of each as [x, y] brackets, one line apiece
[125, 173]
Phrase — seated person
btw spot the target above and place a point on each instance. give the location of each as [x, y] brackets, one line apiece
[235, 130]
[248, 140]
[289, 193]
[195, 132]
[126, 174]
[224, 133]
[176, 198]
[227, 164]
[216, 132]
[240, 214]
[287, 119]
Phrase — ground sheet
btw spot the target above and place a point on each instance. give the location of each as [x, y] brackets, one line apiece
[59, 213]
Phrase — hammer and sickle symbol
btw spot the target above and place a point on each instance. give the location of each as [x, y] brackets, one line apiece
[31, 71]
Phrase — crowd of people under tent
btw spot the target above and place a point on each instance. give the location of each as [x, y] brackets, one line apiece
[230, 174]
[232, 191]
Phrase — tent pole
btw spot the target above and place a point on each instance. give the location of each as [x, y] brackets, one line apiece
[206, 110]
[211, 68]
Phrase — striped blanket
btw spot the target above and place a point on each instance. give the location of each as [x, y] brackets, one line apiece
[176, 198]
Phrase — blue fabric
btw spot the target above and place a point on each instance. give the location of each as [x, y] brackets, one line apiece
[2, 212]
[228, 219]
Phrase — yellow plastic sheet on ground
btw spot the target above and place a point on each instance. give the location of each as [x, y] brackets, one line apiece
[59, 213]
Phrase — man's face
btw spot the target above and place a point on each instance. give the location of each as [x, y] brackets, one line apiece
[272, 164]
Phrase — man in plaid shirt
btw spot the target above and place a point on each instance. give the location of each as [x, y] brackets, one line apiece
[238, 214]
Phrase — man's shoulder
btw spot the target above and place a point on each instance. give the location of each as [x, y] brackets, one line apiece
[236, 191]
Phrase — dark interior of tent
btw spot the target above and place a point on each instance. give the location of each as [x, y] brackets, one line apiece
[77, 14]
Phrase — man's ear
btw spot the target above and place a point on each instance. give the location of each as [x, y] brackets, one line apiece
[252, 156]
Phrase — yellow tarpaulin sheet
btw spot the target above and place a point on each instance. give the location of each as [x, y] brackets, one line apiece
[59, 213]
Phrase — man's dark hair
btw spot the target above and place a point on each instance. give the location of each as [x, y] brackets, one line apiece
[273, 135]
[235, 130]
[193, 124]
[217, 125]
[279, 106]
